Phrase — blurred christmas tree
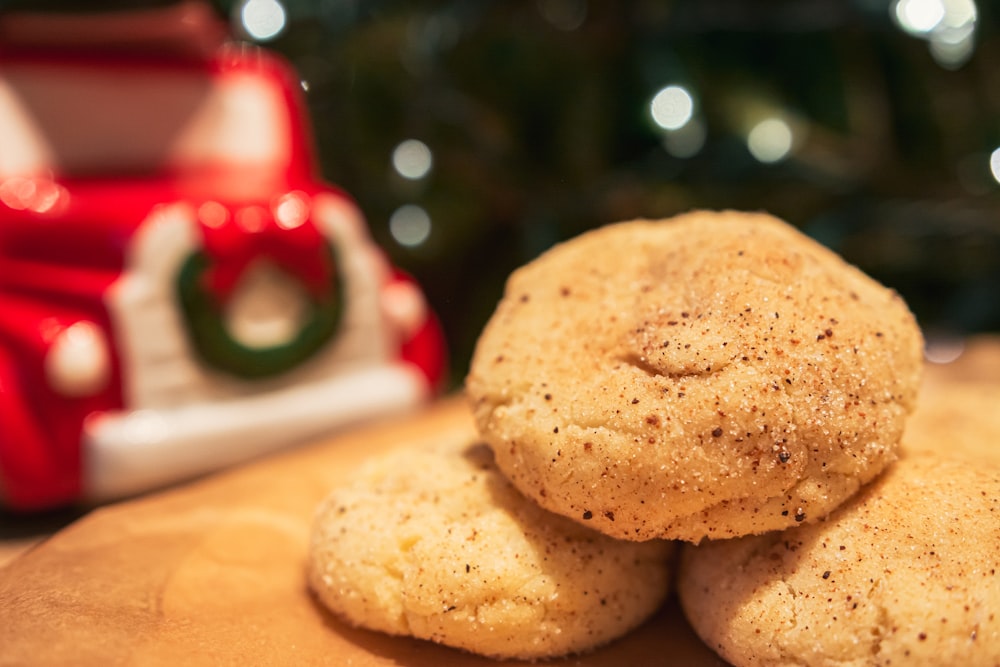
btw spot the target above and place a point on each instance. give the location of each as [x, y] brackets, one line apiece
[476, 134]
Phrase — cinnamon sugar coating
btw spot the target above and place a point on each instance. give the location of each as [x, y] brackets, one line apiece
[712, 375]
[436, 544]
[905, 573]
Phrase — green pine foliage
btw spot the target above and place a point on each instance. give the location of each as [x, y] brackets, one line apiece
[537, 114]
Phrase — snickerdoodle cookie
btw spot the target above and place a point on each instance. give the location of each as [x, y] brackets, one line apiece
[712, 375]
[907, 572]
[436, 544]
[957, 419]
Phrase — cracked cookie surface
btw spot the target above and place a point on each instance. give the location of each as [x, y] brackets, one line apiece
[905, 573]
[712, 375]
[436, 544]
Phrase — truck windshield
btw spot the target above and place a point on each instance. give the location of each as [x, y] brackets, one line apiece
[90, 121]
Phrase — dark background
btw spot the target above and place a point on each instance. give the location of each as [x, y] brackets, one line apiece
[537, 116]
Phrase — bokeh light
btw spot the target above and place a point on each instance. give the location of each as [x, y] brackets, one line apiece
[412, 159]
[291, 210]
[770, 140]
[918, 16]
[687, 141]
[213, 214]
[672, 107]
[410, 225]
[263, 19]
[949, 27]
[39, 195]
[995, 164]
[943, 349]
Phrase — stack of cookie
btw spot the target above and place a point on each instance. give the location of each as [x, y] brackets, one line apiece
[717, 381]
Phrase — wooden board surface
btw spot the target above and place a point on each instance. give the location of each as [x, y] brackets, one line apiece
[211, 573]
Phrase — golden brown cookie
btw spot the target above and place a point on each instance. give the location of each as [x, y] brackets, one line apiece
[712, 375]
[905, 573]
[957, 419]
[436, 544]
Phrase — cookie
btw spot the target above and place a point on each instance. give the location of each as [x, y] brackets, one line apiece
[712, 375]
[905, 573]
[436, 544]
[958, 419]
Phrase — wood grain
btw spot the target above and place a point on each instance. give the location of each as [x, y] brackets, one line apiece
[211, 573]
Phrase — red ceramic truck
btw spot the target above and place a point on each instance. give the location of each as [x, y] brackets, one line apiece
[179, 290]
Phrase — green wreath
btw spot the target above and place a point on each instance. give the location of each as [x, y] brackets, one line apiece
[206, 328]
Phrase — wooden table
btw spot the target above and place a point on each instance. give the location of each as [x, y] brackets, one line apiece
[211, 572]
